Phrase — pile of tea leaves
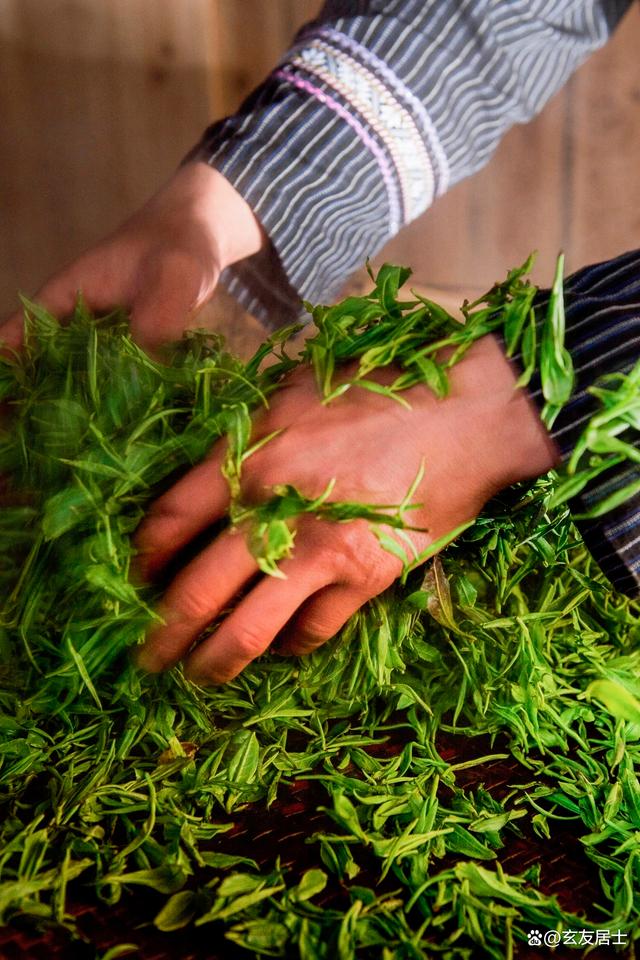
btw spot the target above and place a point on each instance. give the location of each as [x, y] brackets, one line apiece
[111, 780]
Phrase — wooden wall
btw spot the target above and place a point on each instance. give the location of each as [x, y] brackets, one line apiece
[99, 99]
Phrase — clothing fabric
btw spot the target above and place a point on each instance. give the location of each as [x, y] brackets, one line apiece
[379, 107]
[602, 312]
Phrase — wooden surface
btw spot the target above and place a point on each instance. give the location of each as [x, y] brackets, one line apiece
[605, 150]
[99, 99]
[247, 39]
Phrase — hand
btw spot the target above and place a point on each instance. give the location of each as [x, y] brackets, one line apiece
[163, 263]
[482, 437]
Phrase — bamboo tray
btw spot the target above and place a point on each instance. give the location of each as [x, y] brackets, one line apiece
[284, 830]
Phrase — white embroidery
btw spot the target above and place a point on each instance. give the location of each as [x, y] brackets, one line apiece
[382, 111]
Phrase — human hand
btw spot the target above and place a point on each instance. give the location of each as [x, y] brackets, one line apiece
[482, 437]
[163, 263]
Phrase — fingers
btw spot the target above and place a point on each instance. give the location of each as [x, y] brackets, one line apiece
[59, 295]
[196, 597]
[322, 616]
[88, 275]
[191, 505]
[310, 602]
[251, 628]
[163, 289]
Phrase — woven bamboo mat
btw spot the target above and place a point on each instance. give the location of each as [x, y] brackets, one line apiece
[565, 871]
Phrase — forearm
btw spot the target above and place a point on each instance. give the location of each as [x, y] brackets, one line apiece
[376, 110]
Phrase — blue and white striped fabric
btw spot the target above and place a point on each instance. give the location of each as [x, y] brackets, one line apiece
[378, 107]
[602, 306]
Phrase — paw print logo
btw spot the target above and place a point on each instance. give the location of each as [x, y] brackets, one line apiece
[534, 938]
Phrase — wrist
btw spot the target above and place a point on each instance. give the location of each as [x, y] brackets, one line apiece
[206, 197]
[516, 443]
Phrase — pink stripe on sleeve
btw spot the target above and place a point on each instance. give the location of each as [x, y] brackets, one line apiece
[372, 146]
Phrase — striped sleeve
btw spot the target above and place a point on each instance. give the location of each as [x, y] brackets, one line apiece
[376, 109]
[602, 306]
[380, 106]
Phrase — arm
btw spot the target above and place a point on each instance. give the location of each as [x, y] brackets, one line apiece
[482, 437]
[378, 107]
[329, 180]
[474, 442]
[162, 264]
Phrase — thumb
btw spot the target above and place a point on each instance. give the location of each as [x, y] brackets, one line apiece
[169, 295]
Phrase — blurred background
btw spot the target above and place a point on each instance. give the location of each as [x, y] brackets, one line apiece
[100, 99]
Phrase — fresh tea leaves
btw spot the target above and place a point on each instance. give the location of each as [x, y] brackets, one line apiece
[117, 781]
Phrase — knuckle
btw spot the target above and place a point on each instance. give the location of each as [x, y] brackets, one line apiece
[382, 574]
[190, 604]
[351, 553]
[249, 642]
[315, 627]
